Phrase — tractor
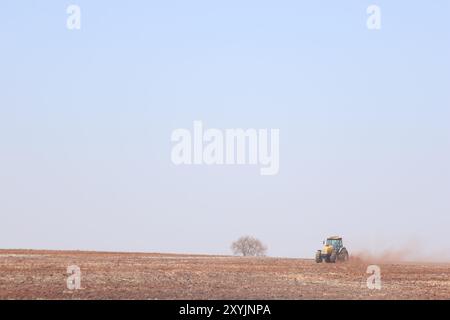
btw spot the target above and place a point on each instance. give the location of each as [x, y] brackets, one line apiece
[333, 251]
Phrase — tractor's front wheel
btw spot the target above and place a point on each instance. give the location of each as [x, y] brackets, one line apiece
[333, 257]
[318, 257]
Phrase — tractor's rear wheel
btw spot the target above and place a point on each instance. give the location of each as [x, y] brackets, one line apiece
[346, 257]
[343, 256]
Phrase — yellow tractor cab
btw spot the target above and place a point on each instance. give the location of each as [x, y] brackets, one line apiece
[332, 251]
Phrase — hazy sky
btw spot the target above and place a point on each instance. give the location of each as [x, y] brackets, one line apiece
[86, 118]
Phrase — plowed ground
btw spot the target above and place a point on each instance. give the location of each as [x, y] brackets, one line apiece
[26, 274]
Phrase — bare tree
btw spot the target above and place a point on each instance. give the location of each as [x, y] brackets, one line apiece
[248, 246]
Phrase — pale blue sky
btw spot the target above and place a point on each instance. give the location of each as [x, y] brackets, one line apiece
[86, 118]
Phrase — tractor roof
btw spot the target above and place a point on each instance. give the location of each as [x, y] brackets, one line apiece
[335, 238]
